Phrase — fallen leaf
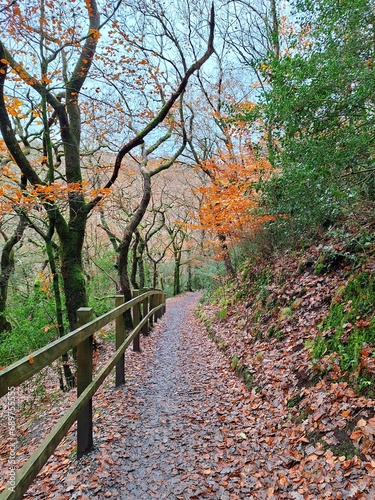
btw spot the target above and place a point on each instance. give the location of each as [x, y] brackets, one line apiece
[355, 435]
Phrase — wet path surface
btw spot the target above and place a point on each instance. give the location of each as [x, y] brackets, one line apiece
[172, 426]
[180, 428]
[175, 440]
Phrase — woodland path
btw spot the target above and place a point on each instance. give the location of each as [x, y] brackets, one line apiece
[174, 430]
[175, 437]
[185, 427]
[177, 433]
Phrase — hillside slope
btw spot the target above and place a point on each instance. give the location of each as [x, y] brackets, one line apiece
[299, 327]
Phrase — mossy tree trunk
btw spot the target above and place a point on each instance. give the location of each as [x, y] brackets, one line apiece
[124, 247]
[71, 247]
[177, 275]
[7, 268]
[68, 375]
[138, 265]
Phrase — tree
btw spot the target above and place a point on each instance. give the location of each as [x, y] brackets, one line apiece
[235, 162]
[147, 174]
[320, 107]
[49, 51]
[7, 268]
[252, 31]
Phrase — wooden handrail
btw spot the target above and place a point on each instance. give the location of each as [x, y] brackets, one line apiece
[22, 370]
[16, 374]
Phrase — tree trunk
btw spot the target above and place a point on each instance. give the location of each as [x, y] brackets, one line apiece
[71, 245]
[133, 274]
[68, 375]
[189, 283]
[141, 265]
[176, 277]
[7, 268]
[226, 257]
[155, 275]
[123, 252]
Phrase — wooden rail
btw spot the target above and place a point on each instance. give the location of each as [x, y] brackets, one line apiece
[146, 308]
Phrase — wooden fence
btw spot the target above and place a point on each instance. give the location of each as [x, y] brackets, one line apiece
[146, 307]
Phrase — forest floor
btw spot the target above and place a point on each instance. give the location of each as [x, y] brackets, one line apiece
[185, 426]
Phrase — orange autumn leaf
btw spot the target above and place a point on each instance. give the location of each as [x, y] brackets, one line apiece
[356, 435]
[230, 200]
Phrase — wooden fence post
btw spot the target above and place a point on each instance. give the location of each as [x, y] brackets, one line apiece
[159, 300]
[136, 321]
[151, 306]
[120, 337]
[145, 309]
[84, 378]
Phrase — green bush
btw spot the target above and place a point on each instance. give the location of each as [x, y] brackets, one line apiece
[303, 200]
[33, 323]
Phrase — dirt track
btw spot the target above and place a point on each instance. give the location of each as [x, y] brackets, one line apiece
[173, 431]
[185, 427]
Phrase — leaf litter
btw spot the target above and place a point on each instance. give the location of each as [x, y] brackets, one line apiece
[184, 426]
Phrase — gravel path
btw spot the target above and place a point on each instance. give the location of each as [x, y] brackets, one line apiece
[178, 429]
[174, 437]
[166, 434]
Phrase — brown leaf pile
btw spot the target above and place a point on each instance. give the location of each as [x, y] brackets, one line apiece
[186, 427]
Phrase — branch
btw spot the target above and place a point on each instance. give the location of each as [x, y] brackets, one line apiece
[7, 129]
[85, 59]
[8, 6]
[138, 139]
[106, 273]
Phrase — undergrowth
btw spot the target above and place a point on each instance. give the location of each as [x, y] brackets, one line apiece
[349, 330]
[33, 326]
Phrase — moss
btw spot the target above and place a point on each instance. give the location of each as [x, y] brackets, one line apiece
[295, 400]
[344, 445]
[329, 260]
[234, 362]
[222, 313]
[244, 373]
[350, 324]
[285, 312]
[302, 416]
[275, 332]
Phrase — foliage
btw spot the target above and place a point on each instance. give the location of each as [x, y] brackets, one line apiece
[318, 104]
[349, 328]
[303, 200]
[210, 277]
[101, 286]
[230, 200]
[33, 326]
[229, 197]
